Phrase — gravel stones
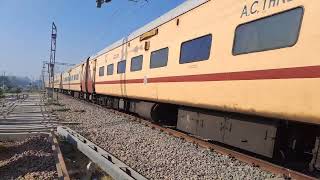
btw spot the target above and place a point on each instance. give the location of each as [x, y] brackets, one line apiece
[154, 154]
[31, 158]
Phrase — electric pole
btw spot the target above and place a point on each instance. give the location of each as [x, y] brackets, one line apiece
[46, 64]
[43, 76]
[53, 58]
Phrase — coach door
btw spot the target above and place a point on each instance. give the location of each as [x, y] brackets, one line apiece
[82, 79]
[94, 69]
[121, 71]
[89, 78]
[69, 80]
[61, 82]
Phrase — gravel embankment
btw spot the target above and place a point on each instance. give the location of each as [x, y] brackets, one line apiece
[154, 154]
[31, 158]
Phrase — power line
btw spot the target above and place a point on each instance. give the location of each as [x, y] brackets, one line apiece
[126, 13]
[51, 65]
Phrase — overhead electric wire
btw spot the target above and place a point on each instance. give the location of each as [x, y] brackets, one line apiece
[116, 23]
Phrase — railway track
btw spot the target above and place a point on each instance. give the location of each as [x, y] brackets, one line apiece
[27, 122]
[287, 173]
[265, 165]
[253, 161]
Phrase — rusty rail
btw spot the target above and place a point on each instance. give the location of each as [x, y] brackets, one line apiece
[264, 165]
[60, 164]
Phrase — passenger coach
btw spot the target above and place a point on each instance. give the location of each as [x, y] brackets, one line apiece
[245, 73]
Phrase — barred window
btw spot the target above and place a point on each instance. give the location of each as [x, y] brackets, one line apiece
[101, 71]
[110, 69]
[121, 67]
[136, 63]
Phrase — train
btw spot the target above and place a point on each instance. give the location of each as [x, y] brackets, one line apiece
[243, 73]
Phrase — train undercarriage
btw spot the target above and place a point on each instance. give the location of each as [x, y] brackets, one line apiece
[292, 144]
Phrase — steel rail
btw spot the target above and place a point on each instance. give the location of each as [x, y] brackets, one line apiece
[60, 164]
[264, 165]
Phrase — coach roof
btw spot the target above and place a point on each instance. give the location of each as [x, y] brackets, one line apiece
[181, 9]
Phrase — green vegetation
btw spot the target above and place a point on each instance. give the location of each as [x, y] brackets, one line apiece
[14, 84]
[1, 93]
[15, 90]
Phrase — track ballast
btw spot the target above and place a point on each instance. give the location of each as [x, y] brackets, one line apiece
[153, 153]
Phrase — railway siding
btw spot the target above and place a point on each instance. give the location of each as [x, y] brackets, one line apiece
[154, 154]
[26, 149]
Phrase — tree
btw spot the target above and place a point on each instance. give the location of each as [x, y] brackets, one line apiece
[19, 90]
[1, 93]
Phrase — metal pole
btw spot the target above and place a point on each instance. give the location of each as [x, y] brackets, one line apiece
[53, 56]
[49, 79]
[42, 74]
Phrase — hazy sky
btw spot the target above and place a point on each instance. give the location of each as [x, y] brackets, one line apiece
[83, 29]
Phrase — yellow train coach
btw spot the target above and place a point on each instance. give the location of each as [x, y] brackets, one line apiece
[242, 72]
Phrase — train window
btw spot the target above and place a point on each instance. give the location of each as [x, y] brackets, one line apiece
[136, 63]
[101, 71]
[273, 32]
[110, 69]
[159, 58]
[196, 50]
[121, 67]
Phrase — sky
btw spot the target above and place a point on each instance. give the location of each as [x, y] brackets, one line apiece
[83, 29]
